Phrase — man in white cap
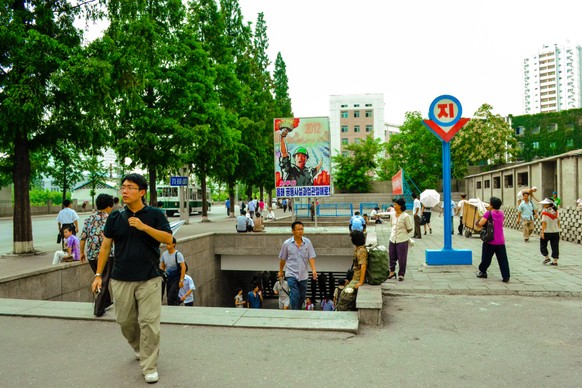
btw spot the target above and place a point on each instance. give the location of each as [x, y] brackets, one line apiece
[529, 191]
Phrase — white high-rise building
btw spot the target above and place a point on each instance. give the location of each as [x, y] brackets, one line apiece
[552, 79]
[352, 117]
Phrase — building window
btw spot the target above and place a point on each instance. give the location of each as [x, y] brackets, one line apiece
[369, 128]
[345, 153]
[368, 113]
[478, 185]
[552, 144]
[357, 141]
[345, 141]
[368, 105]
[356, 113]
[344, 105]
[344, 114]
[535, 145]
[552, 127]
[522, 179]
[519, 131]
[536, 130]
[508, 181]
[344, 128]
[570, 143]
[356, 128]
[497, 182]
[356, 105]
[487, 183]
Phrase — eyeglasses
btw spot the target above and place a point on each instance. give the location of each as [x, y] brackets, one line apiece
[123, 188]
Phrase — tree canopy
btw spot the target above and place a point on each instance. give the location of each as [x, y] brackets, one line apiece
[416, 150]
[354, 172]
[47, 87]
[487, 139]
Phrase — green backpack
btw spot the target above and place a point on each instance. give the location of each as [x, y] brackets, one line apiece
[378, 267]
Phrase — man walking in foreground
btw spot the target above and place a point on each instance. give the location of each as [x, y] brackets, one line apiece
[295, 253]
[137, 231]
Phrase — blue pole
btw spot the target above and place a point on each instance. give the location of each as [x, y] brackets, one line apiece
[447, 194]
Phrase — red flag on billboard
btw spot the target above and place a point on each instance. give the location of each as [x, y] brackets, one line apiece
[397, 183]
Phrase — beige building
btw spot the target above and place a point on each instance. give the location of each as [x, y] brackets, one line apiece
[560, 173]
[353, 117]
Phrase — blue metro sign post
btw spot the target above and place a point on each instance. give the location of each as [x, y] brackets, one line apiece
[444, 122]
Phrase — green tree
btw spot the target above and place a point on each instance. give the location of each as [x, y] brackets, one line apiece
[40, 53]
[208, 26]
[96, 174]
[263, 111]
[417, 151]
[353, 173]
[487, 139]
[143, 45]
[282, 100]
[238, 36]
[66, 167]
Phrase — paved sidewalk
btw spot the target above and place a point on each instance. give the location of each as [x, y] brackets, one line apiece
[529, 277]
[11, 265]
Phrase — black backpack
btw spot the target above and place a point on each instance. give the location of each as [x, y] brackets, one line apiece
[177, 272]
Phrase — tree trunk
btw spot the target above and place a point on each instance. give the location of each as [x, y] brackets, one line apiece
[152, 185]
[22, 229]
[262, 191]
[231, 198]
[64, 181]
[204, 198]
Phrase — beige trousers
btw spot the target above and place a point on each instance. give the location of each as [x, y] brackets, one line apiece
[138, 306]
[528, 227]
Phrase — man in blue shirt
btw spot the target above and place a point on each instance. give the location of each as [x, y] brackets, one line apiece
[526, 214]
[255, 298]
[252, 205]
[295, 253]
[357, 222]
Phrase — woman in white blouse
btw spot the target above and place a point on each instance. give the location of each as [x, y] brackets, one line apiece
[398, 247]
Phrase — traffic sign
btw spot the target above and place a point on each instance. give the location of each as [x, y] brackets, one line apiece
[445, 117]
[445, 121]
[178, 181]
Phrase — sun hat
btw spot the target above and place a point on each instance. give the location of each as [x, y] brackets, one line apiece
[546, 201]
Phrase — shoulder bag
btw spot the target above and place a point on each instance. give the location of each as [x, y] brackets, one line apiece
[486, 233]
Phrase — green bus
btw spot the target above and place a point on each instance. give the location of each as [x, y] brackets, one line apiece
[168, 195]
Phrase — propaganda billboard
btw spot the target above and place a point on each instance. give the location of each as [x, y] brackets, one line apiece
[302, 157]
[397, 186]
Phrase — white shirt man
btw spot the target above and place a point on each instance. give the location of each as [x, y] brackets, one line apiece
[460, 210]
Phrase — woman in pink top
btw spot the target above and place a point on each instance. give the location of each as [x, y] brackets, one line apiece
[495, 246]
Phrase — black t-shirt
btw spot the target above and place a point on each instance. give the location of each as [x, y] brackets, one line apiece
[137, 254]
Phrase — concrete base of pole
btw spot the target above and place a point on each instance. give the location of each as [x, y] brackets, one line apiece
[449, 257]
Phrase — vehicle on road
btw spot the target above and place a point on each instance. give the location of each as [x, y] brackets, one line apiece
[169, 197]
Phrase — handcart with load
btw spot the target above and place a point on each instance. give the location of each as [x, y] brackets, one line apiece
[472, 212]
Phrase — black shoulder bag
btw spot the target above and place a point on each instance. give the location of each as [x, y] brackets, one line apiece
[486, 233]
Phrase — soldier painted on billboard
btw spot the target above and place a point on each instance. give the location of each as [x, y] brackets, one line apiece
[297, 174]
